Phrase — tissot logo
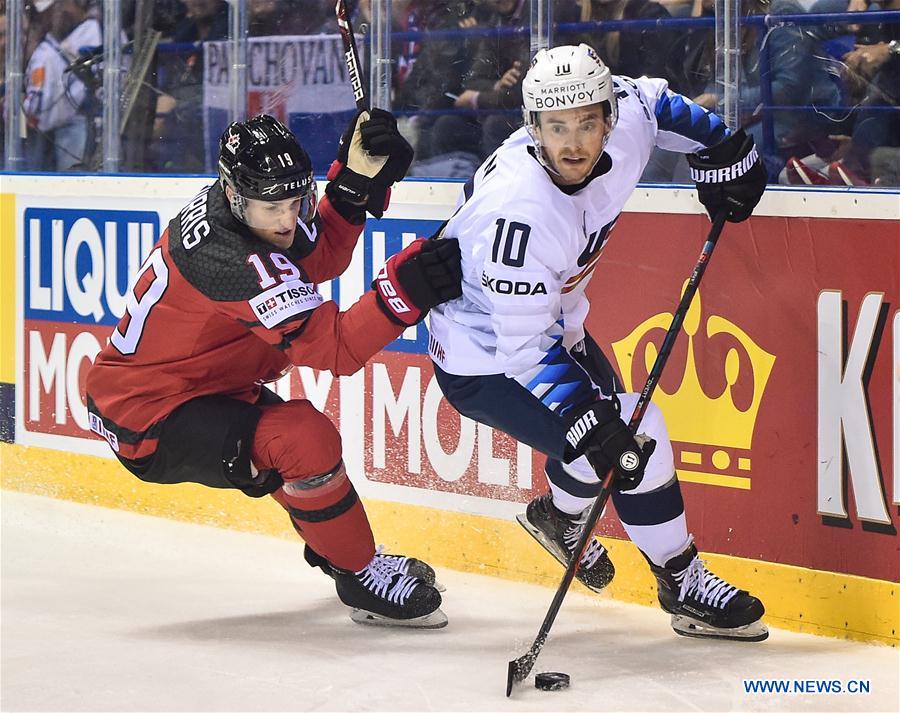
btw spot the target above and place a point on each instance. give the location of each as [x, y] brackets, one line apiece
[284, 296]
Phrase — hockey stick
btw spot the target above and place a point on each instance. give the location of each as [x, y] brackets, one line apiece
[520, 668]
[351, 56]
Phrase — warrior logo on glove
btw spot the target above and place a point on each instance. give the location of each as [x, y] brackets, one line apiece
[729, 177]
[727, 173]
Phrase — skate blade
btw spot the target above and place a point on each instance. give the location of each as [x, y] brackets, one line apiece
[687, 626]
[551, 548]
[435, 620]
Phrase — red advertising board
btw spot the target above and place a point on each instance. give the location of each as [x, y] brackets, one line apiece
[780, 397]
[760, 390]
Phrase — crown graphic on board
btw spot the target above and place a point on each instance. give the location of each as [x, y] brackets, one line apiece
[711, 435]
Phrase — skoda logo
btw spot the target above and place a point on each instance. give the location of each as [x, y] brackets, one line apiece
[629, 461]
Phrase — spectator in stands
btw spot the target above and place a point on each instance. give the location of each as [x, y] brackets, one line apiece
[634, 53]
[436, 80]
[318, 18]
[3, 80]
[179, 109]
[494, 79]
[796, 71]
[57, 100]
[454, 150]
[872, 153]
[268, 18]
[204, 20]
[846, 154]
[3, 40]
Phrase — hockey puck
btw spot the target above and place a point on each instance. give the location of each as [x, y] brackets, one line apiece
[551, 681]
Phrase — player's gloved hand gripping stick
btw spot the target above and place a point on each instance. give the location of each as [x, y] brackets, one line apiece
[520, 668]
[729, 176]
[599, 434]
[372, 155]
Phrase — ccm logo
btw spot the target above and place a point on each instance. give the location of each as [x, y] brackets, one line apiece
[389, 293]
[578, 429]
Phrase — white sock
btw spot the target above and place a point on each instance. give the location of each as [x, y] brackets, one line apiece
[660, 542]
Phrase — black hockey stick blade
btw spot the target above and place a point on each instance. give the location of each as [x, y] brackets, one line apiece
[351, 56]
[520, 668]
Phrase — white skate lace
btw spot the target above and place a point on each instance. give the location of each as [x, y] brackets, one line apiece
[701, 584]
[592, 552]
[400, 563]
[383, 578]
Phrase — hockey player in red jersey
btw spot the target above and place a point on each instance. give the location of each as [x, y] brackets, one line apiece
[227, 301]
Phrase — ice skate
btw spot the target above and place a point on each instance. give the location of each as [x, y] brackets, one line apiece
[380, 594]
[558, 533]
[703, 605]
[405, 565]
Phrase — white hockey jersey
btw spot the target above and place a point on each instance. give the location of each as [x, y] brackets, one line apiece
[529, 247]
[54, 97]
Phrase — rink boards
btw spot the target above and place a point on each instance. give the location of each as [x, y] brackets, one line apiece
[782, 399]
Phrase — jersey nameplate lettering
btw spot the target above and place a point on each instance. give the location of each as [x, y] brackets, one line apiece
[277, 304]
[194, 224]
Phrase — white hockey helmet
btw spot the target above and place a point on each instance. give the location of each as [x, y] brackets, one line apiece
[566, 77]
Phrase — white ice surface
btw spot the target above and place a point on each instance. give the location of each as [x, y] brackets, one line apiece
[111, 611]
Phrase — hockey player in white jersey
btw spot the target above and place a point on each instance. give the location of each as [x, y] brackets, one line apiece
[513, 353]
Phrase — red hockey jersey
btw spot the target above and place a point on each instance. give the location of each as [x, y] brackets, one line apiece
[216, 310]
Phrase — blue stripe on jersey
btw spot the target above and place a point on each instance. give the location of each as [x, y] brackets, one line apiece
[469, 188]
[691, 120]
[562, 381]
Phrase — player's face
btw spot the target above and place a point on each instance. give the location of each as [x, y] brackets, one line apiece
[572, 140]
[274, 221]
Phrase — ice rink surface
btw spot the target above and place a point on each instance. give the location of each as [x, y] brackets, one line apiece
[111, 611]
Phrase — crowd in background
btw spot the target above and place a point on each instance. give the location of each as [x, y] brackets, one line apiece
[822, 100]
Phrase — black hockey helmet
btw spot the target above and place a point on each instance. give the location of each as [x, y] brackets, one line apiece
[259, 159]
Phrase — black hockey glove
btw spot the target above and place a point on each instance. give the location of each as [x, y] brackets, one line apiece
[729, 176]
[425, 274]
[372, 156]
[598, 433]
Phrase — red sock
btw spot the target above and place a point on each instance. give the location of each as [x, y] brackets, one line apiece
[330, 517]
